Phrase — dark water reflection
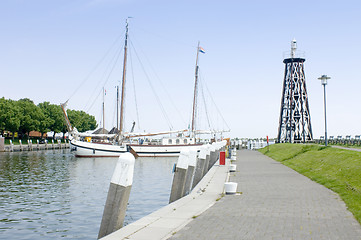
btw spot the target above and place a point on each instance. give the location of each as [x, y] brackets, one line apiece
[53, 195]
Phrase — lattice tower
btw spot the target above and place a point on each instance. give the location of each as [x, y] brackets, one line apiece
[295, 119]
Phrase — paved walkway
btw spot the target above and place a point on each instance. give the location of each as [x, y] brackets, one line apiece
[347, 148]
[276, 203]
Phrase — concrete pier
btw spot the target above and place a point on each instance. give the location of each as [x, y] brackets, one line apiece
[165, 222]
[272, 202]
[276, 203]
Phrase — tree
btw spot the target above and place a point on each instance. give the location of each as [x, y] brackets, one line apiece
[54, 115]
[9, 116]
[31, 116]
[23, 116]
[81, 120]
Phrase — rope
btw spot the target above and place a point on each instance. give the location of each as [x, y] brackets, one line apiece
[96, 66]
[219, 112]
[153, 90]
[114, 60]
[163, 87]
[205, 103]
[135, 95]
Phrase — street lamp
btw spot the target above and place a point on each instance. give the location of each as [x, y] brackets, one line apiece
[323, 79]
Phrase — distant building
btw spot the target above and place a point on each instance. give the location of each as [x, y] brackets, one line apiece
[37, 134]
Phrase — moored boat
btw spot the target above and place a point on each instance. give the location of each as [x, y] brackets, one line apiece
[112, 145]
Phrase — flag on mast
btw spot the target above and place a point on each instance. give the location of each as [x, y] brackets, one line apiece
[201, 50]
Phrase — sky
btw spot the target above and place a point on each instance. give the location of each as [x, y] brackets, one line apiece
[57, 50]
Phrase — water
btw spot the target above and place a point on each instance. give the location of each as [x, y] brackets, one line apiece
[53, 195]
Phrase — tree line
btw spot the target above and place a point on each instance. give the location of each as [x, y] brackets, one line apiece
[23, 116]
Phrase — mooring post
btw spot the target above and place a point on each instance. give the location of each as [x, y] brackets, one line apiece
[201, 161]
[46, 144]
[11, 146]
[118, 195]
[179, 177]
[208, 159]
[2, 144]
[37, 144]
[52, 143]
[213, 156]
[192, 162]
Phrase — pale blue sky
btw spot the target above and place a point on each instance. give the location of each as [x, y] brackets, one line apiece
[48, 47]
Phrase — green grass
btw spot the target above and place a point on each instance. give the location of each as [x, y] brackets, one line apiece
[337, 169]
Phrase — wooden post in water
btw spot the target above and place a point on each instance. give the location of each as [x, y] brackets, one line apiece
[118, 195]
[11, 146]
[213, 156]
[201, 161]
[179, 177]
[2, 144]
[192, 162]
[208, 158]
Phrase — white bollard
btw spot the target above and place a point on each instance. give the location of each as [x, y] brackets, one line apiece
[179, 177]
[232, 167]
[213, 157]
[200, 167]
[118, 195]
[192, 162]
[230, 187]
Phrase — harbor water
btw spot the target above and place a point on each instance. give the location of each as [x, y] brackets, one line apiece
[54, 195]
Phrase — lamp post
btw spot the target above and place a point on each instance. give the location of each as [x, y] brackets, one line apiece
[323, 79]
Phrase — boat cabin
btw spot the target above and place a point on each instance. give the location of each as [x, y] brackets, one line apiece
[178, 141]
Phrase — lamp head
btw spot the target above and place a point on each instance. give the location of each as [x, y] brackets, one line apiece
[324, 79]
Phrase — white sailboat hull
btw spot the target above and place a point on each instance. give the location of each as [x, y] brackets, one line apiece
[90, 149]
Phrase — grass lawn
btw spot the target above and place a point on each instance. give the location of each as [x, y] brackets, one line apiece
[337, 169]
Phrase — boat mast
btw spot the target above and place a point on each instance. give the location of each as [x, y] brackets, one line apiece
[118, 107]
[121, 121]
[195, 94]
[103, 112]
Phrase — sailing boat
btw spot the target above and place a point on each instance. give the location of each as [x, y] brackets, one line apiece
[101, 149]
[121, 141]
[173, 146]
